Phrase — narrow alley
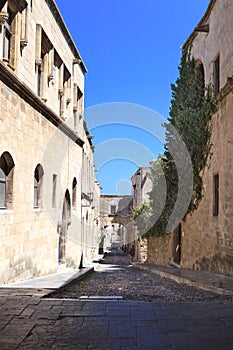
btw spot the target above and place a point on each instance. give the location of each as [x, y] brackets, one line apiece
[115, 276]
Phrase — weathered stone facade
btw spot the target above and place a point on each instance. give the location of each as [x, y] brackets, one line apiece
[48, 195]
[206, 236]
[115, 219]
[141, 186]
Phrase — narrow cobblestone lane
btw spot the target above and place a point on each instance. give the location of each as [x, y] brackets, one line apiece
[116, 276]
[155, 313]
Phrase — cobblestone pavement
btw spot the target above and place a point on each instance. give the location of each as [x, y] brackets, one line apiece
[115, 276]
[30, 319]
[31, 322]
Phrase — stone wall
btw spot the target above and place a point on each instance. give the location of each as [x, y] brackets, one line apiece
[42, 124]
[207, 241]
[160, 250]
[207, 237]
[29, 238]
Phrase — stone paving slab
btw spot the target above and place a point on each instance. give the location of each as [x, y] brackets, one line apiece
[116, 324]
[200, 279]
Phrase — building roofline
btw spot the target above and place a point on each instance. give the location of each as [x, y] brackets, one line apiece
[57, 14]
[141, 168]
[202, 21]
[115, 195]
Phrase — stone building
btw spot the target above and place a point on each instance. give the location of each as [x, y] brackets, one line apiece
[205, 239]
[115, 219]
[49, 199]
[141, 186]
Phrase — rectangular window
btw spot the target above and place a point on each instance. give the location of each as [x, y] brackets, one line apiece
[113, 209]
[54, 191]
[217, 75]
[216, 195]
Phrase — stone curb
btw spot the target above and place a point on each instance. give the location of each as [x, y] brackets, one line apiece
[77, 276]
[80, 274]
[187, 281]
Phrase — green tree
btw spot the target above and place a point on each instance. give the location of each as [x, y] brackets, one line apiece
[191, 107]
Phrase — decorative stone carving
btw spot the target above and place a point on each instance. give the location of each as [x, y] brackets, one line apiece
[23, 43]
[3, 17]
[38, 61]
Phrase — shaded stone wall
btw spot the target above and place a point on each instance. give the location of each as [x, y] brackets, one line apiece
[207, 240]
[29, 237]
[160, 250]
[115, 218]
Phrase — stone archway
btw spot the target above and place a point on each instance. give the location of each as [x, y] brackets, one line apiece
[66, 221]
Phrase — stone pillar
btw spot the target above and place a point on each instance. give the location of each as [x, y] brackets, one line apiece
[38, 44]
[15, 39]
[75, 112]
[44, 76]
[24, 29]
[61, 90]
[51, 65]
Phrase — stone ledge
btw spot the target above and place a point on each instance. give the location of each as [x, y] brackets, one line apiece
[188, 281]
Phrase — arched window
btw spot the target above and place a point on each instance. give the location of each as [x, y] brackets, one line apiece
[201, 75]
[38, 182]
[74, 192]
[6, 181]
[3, 170]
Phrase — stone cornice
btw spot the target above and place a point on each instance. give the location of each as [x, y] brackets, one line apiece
[89, 137]
[12, 81]
[56, 13]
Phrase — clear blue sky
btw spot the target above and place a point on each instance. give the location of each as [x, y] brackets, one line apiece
[132, 50]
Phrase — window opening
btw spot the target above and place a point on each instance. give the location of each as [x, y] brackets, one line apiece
[217, 75]
[216, 195]
[3, 183]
